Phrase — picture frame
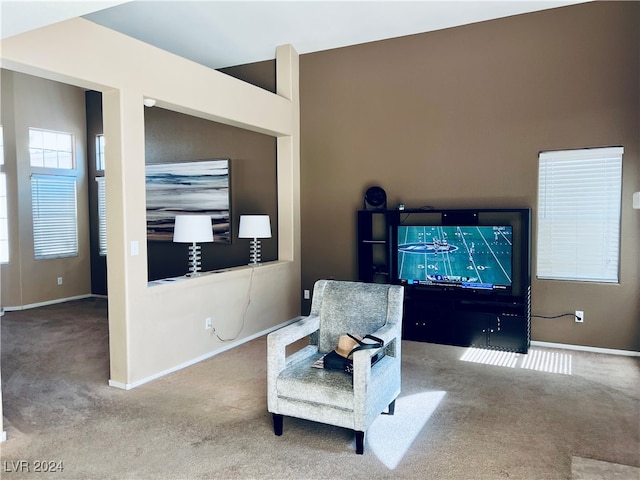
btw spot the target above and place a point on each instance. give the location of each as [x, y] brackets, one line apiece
[199, 187]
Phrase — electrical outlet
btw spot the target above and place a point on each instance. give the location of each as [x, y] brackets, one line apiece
[59, 280]
[307, 295]
[208, 324]
[579, 316]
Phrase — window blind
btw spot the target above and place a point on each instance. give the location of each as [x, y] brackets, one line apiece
[54, 209]
[102, 215]
[579, 196]
[4, 223]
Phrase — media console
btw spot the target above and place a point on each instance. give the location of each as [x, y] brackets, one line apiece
[466, 272]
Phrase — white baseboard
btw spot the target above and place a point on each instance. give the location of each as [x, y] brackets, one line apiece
[129, 386]
[49, 302]
[607, 351]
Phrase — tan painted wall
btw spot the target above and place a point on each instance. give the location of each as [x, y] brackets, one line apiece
[456, 118]
[155, 329]
[39, 103]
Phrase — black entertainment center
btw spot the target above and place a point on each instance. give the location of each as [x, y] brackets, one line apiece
[466, 272]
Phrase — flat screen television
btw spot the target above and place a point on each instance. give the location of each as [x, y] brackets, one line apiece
[466, 257]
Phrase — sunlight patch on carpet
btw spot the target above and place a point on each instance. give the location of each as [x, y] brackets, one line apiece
[590, 469]
[391, 436]
[539, 360]
[543, 361]
[491, 357]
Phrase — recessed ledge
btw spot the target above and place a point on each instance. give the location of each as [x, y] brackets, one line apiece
[222, 274]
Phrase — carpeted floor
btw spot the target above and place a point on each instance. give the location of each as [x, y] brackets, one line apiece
[484, 417]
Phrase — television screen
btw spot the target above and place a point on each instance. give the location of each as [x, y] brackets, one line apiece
[476, 257]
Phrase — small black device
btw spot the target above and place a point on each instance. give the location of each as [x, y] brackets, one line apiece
[375, 197]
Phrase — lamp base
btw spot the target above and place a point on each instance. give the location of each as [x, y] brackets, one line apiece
[194, 260]
[254, 252]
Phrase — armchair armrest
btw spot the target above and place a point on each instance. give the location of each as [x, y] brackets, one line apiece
[390, 334]
[278, 340]
[368, 389]
[277, 359]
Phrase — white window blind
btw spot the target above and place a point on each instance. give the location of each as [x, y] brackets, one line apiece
[4, 223]
[579, 196]
[102, 215]
[54, 207]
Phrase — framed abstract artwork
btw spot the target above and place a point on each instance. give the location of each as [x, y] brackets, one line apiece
[200, 187]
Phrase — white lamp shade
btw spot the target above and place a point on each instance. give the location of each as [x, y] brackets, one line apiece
[193, 229]
[254, 226]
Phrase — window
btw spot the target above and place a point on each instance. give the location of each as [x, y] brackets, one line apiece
[579, 196]
[50, 149]
[100, 152]
[54, 203]
[4, 224]
[102, 201]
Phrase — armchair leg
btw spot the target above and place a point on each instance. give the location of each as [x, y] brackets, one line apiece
[392, 408]
[278, 422]
[359, 442]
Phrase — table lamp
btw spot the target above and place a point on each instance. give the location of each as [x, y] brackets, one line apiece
[193, 229]
[254, 227]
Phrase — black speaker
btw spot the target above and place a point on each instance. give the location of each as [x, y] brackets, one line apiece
[375, 197]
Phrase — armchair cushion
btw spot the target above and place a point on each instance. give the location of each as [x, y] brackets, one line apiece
[308, 384]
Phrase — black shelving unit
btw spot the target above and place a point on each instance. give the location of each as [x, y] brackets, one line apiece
[453, 316]
[373, 246]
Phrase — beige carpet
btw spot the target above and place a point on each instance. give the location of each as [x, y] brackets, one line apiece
[479, 418]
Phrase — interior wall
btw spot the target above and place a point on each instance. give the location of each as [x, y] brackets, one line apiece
[155, 329]
[260, 74]
[39, 103]
[174, 137]
[456, 119]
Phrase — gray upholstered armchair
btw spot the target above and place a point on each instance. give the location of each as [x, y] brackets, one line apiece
[297, 389]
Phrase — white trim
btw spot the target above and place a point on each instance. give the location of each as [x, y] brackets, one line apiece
[3, 437]
[121, 386]
[583, 348]
[48, 302]
[129, 386]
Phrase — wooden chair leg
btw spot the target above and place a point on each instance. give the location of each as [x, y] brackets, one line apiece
[359, 442]
[278, 422]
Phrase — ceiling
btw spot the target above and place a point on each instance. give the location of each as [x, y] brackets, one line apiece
[225, 33]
